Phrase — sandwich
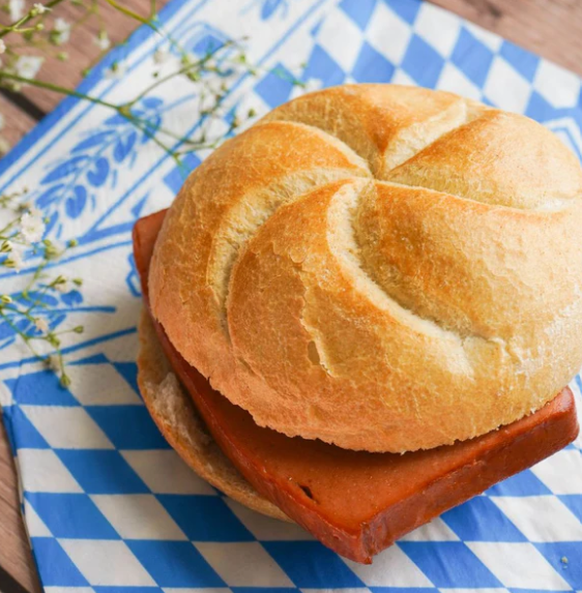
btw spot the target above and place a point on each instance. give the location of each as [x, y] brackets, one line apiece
[366, 309]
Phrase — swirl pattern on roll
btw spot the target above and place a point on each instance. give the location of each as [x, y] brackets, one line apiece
[384, 268]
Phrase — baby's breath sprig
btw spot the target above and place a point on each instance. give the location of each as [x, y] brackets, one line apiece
[27, 312]
[40, 27]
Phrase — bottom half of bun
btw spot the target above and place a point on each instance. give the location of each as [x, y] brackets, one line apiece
[181, 424]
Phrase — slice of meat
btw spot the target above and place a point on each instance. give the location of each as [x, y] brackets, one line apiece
[359, 503]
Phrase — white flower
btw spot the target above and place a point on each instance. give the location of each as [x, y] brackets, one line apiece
[61, 25]
[40, 8]
[41, 325]
[161, 56]
[2, 46]
[166, 61]
[62, 28]
[32, 227]
[28, 66]
[102, 41]
[16, 9]
[15, 256]
[34, 211]
[63, 286]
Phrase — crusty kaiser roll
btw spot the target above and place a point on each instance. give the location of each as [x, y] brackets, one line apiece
[381, 267]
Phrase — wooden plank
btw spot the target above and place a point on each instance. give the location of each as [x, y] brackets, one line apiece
[81, 47]
[15, 555]
[16, 122]
[549, 28]
[530, 23]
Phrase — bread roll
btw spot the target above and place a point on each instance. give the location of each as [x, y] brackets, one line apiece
[381, 267]
[182, 426]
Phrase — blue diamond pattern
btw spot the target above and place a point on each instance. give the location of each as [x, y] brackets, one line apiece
[310, 565]
[405, 9]
[525, 483]
[175, 564]
[480, 520]
[523, 61]
[25, 434]
[422, 63]
[128, 370]
[276, 87]
[71, 516]
[372, 66]
[360, 11]
[453, 566]
[128, 427]
[40, 389]
[262, 590]
[54, 565]
[205, 518]
[322, 67]
[102, 472]
[566, 558]
[538, 108]
[472, 57]
[403, 589]
[94, 359]
[127, 589]
[574, 503]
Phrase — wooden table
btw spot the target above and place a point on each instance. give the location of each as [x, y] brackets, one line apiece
[551, 28]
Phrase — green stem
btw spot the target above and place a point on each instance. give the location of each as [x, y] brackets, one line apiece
[34, 279]
[121, 109]
[184, 70]
[25, 19]
[211, 146]
[25, 314]
[8, 227]
[157, 141]
[25, 338]
[25, 30]
[156, 84]
[56, 88]
[131, 14]
[194, 144]
[148, 22]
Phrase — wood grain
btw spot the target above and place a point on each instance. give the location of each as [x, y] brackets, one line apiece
[551, 28]
[16, 122]
[82, 52]
[15, 555]
[82, 48]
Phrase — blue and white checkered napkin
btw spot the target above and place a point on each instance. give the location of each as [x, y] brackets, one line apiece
[108, 505]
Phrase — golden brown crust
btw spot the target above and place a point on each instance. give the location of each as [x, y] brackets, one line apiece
[182, 426]
[433, 303]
